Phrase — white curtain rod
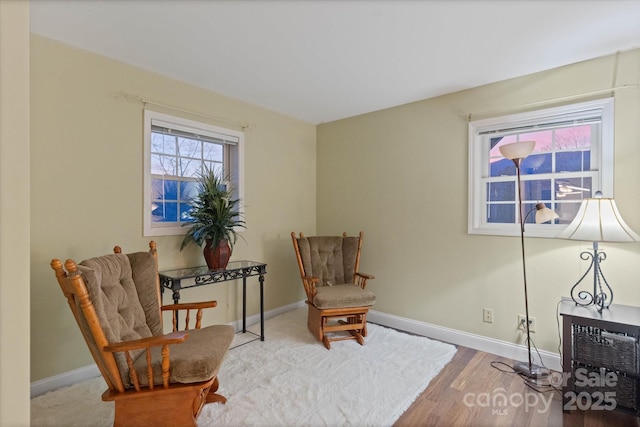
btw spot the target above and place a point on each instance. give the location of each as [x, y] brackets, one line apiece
[145, 102]
[550, 101]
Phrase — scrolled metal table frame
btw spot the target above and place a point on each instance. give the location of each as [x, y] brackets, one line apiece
[172, 279]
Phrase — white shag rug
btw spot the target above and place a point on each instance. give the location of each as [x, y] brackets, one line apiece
[290, 379]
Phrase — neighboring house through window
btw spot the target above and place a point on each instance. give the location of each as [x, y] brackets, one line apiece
[176, 151]
[572, 159]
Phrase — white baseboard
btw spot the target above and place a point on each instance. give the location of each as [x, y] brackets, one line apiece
[91, 371]
[253, 319]
[453, 336]
[64, 379]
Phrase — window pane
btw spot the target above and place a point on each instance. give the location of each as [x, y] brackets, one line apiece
[537, 163]
[216, 167]
[170, 190]
[503, 167]
[501, 213]
[184, 212]
[573, 188]
[537, 190]
[190, 168]
[501, 191]
[189, 147]
[163, 165]
[571, 154]
[212, 151]
[572, 161]
[542, 138]
[164, 144]
[164, 212]
[188, 190]
[157, 192]
[573, 137]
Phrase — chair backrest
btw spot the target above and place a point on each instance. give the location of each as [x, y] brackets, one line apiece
[332, 259]
[114, 298]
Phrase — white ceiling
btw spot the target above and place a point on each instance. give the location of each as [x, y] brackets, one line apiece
[325, 60]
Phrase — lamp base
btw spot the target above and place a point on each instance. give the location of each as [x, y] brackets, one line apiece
[536, 372]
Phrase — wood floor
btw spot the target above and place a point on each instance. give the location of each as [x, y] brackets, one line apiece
[462, 395]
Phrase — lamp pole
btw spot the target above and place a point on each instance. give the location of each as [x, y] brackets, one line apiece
[524, 264]
[517, 152]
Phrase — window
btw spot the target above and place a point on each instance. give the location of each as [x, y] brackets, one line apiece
[572, 159]
[176, 151]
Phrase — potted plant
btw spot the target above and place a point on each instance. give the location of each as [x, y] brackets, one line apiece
[215, 218]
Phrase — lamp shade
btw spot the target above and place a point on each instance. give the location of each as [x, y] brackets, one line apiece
[517, 150]
[544, 214]
[598, 220]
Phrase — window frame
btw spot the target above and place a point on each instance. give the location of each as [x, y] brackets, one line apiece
[602, 163]
[233, 160]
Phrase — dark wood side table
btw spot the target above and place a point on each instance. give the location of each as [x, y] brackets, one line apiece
[172, 279]
[605, 347]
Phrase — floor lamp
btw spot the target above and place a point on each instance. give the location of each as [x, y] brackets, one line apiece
[517, 152]
[597, 220]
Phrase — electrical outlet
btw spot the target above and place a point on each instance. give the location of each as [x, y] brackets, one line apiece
[487, 315]
[522, 325]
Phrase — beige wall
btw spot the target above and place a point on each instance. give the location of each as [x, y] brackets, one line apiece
[401, 175]
[86, 192]
[14, 213]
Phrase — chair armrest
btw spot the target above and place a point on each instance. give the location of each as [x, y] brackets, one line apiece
[147, 344]
[361, 279]
[144, 343]
[188, 306]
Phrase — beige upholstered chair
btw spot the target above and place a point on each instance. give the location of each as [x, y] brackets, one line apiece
[154, 379]
[336, 294]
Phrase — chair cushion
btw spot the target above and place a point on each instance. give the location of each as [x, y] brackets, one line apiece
[109, 281]
[145, 276]
[197, 359]
[345, 295]
[113, 292]
[332, 259]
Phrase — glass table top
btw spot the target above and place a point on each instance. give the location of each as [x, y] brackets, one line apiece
[233, 266]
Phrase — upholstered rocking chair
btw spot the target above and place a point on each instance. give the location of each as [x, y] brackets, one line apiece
[154, 379]
[336, 294]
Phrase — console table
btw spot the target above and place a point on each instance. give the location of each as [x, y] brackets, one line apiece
[172, 279]
[605, 348]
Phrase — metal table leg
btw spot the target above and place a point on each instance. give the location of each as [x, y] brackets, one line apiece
[261, 280]
[244, 304]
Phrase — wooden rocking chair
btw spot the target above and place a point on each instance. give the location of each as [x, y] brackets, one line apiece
[334, 287]
[154, 379]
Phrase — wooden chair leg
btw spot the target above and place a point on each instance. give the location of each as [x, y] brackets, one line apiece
[359, 338]
[315, 322]
[364, 322]
[326, 342]
[212, 396]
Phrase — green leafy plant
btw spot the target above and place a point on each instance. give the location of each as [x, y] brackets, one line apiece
[215, 214]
